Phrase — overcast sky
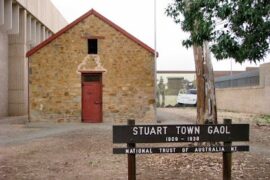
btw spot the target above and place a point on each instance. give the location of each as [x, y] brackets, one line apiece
[137, 17]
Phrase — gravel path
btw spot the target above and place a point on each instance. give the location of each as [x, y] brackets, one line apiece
[174, 116]
[84, 151]
[32, 131]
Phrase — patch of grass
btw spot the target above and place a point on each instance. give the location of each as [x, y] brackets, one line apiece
[263, 119]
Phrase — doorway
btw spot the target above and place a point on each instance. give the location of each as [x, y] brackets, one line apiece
[92, 97]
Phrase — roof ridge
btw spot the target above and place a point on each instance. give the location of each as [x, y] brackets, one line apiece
[81, 18]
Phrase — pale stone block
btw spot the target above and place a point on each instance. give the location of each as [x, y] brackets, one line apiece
[33, 31]
[46, 12]
[38, 32]
[16, 96]
[17, 69]
[29, 28]
[16, 73]
[17, 109]
[16, 50]
[4, 74]
[265, 74]
[19, 38]
[15, 19]
[2, 13]
[43, 33]
[7, 15]
[47, 33]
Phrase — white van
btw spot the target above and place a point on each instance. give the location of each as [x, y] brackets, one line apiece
[188, 98]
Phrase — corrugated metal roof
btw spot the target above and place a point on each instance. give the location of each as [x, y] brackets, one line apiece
[246, 74]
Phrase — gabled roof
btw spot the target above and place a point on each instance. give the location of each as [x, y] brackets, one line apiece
[74, 23]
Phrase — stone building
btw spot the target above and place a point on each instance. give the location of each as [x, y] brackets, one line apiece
[23, 24]
[91, 71]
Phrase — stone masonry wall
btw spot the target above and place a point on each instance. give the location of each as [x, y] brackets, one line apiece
[128, 84]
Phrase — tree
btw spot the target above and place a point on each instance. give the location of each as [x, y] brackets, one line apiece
[238, 29]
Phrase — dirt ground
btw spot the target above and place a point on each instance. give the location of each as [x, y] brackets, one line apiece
[84, 151]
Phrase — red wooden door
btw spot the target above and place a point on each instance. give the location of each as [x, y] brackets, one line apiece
[92, 102]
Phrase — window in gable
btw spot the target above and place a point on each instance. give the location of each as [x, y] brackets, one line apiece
[92, 46]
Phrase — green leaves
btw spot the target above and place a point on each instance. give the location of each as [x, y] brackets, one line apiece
[238, 29]
[224, 11]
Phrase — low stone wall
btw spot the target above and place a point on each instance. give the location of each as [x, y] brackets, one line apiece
[246, 99]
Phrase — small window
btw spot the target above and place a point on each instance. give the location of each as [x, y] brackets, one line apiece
[92, 46]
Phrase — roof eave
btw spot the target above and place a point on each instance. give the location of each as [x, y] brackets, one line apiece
[89, 13]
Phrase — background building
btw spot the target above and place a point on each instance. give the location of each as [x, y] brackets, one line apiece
[23, 24]
[243, 91]
[250, 77]
[176, 81]
[246, 92]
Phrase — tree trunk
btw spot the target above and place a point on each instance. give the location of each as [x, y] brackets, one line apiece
[206, 96]
[199, 65]
[210, 94]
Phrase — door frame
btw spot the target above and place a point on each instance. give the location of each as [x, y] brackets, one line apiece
[83, 73]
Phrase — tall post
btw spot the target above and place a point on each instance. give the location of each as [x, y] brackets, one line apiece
[227, 158]
[155, 58]
[155, 28]
[131, 157]
[231, 75]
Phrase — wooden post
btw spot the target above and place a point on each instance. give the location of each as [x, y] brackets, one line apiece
[131, 157]
[227, 158]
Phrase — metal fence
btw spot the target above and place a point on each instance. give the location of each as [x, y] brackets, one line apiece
[244, 79]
